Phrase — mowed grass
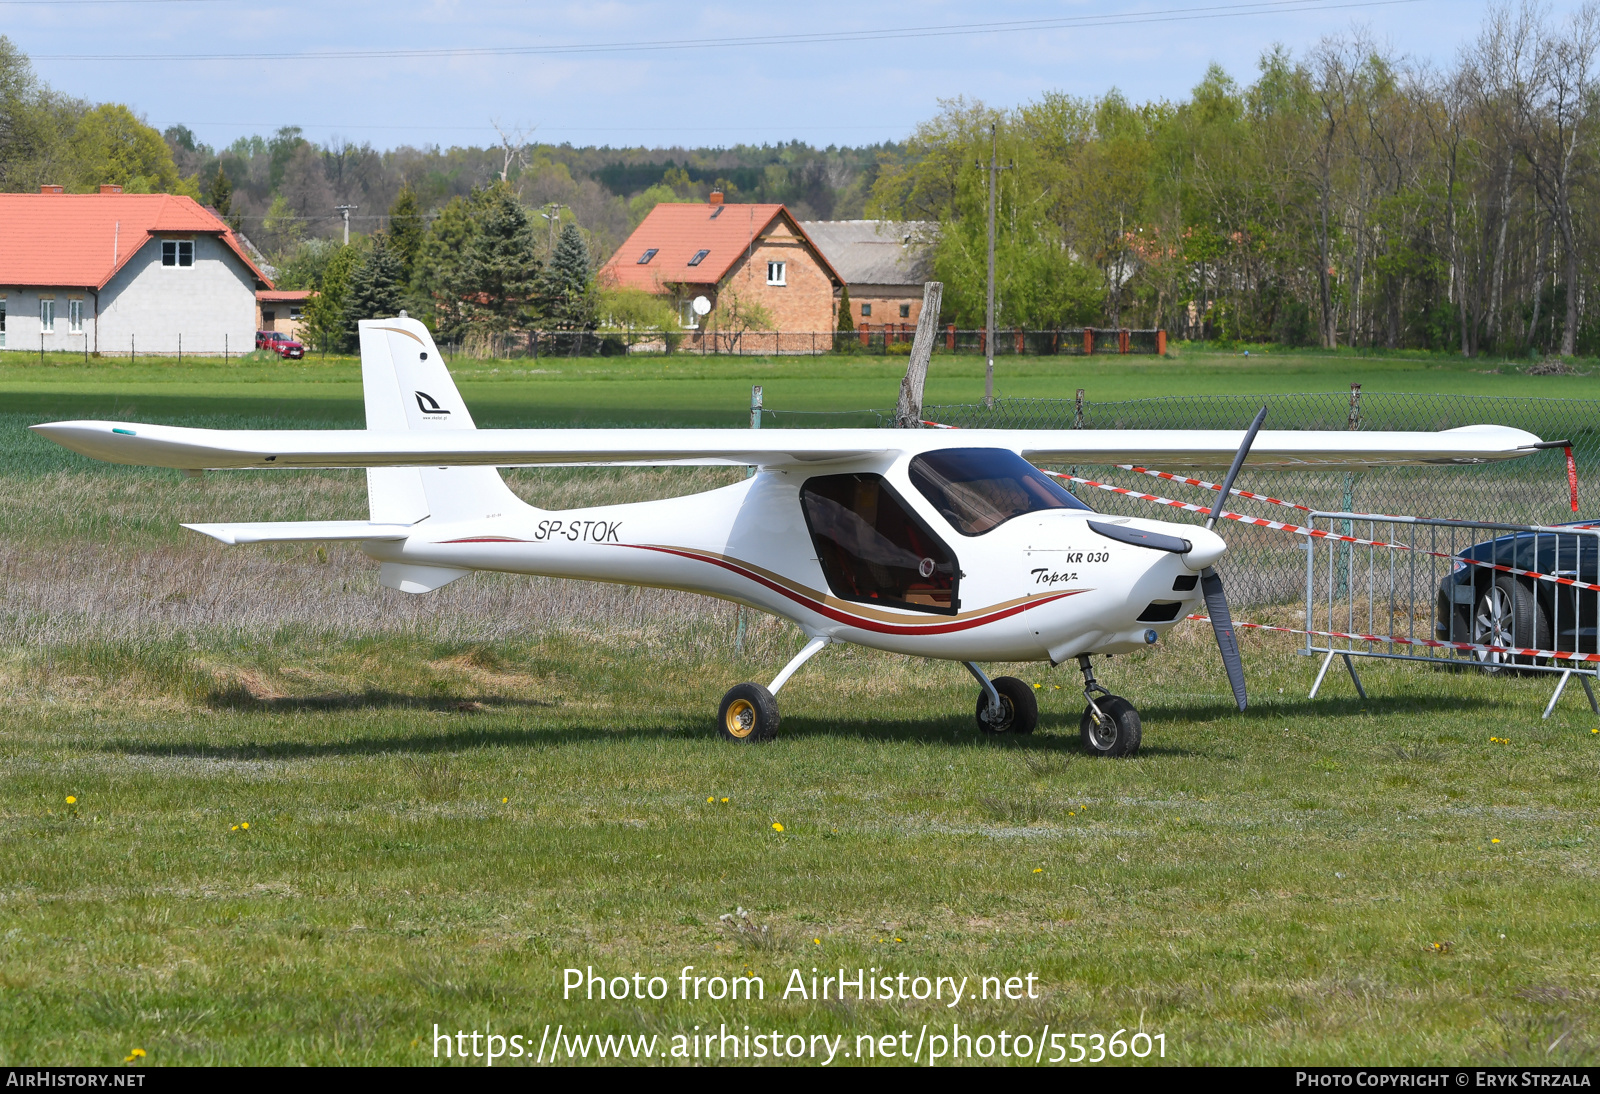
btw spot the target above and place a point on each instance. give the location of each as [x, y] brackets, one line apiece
[453, 798]
[691, 390]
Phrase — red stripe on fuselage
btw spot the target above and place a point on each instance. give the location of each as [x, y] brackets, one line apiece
[865, 624]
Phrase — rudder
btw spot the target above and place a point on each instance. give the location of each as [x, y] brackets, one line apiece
[406, 386]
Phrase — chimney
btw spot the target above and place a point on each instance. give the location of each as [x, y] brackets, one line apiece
[110, 188]
[48, 188]
[716, 197]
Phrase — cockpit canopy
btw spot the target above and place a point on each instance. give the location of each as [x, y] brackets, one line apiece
[979, 489]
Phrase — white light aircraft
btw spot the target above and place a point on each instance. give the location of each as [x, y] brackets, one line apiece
[933, 543]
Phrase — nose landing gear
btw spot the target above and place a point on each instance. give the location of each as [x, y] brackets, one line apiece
[1110, 725]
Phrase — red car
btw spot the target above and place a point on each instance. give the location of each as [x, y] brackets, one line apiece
[279, 343]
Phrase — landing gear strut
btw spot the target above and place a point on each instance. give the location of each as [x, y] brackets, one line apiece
[1005, 705]
[1110, 726]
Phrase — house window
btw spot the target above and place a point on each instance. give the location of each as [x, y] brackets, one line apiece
[177, 252]
[295, 314]
[905, 311]
[644, 259]
[866, 311]
[776, 272]
[699, 257]
[75, 316]
[47, 315]
[689, 319]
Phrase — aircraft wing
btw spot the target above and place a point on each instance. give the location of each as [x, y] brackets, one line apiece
[186, 448]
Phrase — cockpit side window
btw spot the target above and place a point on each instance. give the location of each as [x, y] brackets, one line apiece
[873, 549]
[979, 489]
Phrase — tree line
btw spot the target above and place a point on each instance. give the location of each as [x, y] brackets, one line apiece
[1348, 196]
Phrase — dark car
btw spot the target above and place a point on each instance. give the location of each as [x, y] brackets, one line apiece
[1489, 607]
[279, 343]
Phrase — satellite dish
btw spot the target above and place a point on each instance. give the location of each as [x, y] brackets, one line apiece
[701, 305]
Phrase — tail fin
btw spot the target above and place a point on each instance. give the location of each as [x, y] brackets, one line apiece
[407, 387]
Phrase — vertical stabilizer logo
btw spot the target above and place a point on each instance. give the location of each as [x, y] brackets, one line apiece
[429, 405]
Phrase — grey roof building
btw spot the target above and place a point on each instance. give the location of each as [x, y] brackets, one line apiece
[875, 252]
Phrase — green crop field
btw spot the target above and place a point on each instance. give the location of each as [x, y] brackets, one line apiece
[311, 819]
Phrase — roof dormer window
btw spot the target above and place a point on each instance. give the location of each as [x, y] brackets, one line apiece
[644, 259]
[699, 257]
[717, 212]
[177, 252]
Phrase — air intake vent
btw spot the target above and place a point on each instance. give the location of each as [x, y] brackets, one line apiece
[1161, 611]
[1185, 583]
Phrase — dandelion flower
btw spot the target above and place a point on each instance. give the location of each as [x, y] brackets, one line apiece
[503, 801]
[724, 801]
[818, 941]
[71, 800]
[245, 825]
[136, 1054]
[1494, 841]
[1072, 814]
[235, 828]
[1036, 687]
[776, 827]
[1038, 869]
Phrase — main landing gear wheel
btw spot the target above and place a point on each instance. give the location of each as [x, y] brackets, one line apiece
[1116, 732]
[749, 713]
[1019, 709]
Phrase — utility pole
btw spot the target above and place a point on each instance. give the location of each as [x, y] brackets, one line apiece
[552, 213]
[348, 209]
[994, 168]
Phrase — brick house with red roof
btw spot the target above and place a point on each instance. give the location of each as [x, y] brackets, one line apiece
[759, 252]
[114, 272]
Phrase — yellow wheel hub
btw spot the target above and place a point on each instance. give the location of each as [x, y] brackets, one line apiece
[741, 718]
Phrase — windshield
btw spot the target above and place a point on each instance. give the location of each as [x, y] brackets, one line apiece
[979, 489]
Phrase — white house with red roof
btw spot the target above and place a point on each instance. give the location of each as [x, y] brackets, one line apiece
[115, 273]
[758, 252]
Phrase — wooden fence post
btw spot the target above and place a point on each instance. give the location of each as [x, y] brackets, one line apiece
[1088, 341]
[1161, 343]
[950, 338]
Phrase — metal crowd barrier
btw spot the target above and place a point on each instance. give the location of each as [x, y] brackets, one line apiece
[1514, 598]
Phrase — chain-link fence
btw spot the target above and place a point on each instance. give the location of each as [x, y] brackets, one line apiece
[1266, 566]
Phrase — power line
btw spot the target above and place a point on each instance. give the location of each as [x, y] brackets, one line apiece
[1171, 15]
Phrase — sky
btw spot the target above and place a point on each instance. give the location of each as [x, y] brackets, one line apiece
[636, 72]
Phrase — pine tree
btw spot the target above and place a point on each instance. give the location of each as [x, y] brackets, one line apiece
[566, 291]
[222, 198]
[499, 271]
[376, 290]
[324, 313]
[405, 230]
[222, 192]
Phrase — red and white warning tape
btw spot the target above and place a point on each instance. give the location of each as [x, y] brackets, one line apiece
[1468, 647]
[1299, 530]
[1236, 492]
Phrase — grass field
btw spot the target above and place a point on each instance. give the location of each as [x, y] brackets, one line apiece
[691, 390]
[452, 798]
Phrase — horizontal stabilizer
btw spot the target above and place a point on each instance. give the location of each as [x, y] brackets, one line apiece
[291, 531]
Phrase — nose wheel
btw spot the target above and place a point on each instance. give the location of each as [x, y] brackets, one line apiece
[1110, 725]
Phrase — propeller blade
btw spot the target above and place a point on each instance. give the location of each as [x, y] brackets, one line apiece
[1233, 472]
[1222, 627]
